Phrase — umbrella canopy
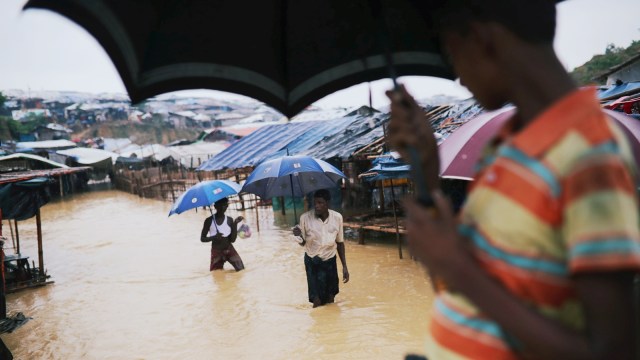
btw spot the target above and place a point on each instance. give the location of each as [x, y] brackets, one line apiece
[204, 194]
[461, 151]
[291, 176]
[287, 54]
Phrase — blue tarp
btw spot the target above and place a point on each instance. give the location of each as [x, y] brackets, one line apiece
[618, 90]
[273, 141]
[387, 167]
[21, 200]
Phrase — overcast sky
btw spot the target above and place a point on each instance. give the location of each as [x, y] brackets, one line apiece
[40, 50]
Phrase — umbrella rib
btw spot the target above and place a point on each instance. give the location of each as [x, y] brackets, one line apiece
[213, 71]
[358, 66]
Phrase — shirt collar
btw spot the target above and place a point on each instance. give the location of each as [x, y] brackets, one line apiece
[553, 123]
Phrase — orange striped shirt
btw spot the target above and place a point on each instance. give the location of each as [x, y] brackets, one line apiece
[555, 199]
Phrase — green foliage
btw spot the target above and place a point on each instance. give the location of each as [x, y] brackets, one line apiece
[31, 124]
[8, 129]
[599, 64]
[3, 99]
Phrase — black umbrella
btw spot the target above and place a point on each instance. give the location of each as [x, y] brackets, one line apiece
[287, 54]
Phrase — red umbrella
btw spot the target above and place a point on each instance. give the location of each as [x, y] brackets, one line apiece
[631, 128]
[460, 152]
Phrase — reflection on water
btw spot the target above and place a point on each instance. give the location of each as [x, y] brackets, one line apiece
[131, 283]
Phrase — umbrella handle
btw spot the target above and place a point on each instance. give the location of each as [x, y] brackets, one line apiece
[422, 191]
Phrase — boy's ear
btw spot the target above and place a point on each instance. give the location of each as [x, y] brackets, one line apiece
[484, 35]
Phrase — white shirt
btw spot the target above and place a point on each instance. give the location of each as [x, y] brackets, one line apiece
[321, 236]
[223, 228]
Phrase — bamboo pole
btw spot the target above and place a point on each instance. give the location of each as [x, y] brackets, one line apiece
[13, 239]
[257, 215]
[61, 185]
[40, 252]
[381, 197]
[395, 218]
[17, 237]
[3, 299]
[173, 195]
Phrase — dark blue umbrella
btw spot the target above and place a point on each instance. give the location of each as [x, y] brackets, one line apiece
[204, 194]
[291, 176]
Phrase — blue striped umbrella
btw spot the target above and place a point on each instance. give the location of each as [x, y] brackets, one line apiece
[291, 176]
[204, 194]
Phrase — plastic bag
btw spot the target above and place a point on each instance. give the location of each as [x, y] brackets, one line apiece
[244, 231]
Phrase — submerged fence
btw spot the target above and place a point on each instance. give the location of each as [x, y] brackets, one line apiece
[168, 182]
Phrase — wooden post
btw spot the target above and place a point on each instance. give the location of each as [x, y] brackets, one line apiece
[239, 195]
[13, 238]
[381, 196]
[395, 218]
[257, 215]
[61, 185]
[3, 299]
[40, 253]
[17, 237]
[361, 236]
[173, 195]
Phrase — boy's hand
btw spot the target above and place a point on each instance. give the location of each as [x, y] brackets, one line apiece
[433, 237]
[238, 219]
[409, 128]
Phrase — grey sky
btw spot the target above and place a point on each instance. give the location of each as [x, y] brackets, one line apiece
[41, 50]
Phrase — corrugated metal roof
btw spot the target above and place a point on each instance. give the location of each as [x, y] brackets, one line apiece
[33, 157]
[359, 133]
[272, 141]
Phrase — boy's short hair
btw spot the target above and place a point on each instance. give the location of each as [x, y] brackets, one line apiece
[531, 20]
[221, 201]
[323, 193]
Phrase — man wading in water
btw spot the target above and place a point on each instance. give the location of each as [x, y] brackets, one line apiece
[322, 237]
[222, 233]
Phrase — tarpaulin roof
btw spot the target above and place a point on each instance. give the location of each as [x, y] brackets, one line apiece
[19, 156]
[21, 200]
[157, 151]
[387, 167]
[619, 90]
[115, 144]
[88, 156]
[48, 144]
[272, 140]
[195, 154]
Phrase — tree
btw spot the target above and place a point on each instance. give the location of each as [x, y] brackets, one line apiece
[599, 64]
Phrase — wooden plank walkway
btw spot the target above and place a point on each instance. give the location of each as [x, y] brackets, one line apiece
[363, 228]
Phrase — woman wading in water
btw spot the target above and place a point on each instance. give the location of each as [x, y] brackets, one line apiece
[222, 231]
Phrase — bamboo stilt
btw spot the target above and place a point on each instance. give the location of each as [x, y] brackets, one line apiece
[395, 218]
[17, 237]
[13, 239]
[257, 215]
[40, 252]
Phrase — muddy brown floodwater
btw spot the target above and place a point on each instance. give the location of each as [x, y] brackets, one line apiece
[131, 283]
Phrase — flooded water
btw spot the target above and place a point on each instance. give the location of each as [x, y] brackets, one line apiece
[131, 283]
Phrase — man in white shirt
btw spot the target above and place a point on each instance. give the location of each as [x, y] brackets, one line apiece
[322, 237]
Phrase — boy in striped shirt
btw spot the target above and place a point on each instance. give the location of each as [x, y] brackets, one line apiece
[540, 261]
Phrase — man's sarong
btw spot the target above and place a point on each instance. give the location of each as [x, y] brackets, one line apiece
[219, 257]
[322, 278]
